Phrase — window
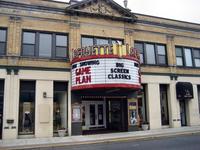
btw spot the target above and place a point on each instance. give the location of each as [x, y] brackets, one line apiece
[28, 43]
[161, 54]
[61, 46]
[86, 41]
[187, 56]
[44, 45]
[164, 105]
[196, 54]
[179, 57]
[27, 108]
[102, 41]
[59, 106]
[3, 41]
[140, 47]
[152, 53]
[90, 41]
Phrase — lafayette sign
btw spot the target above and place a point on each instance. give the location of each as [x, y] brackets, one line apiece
[105, 71]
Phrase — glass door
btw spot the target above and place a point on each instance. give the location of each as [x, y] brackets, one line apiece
[94, 114]
[115, 115]
[100, 114]
[183, 113]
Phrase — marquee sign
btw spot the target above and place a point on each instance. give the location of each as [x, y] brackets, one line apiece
[105, 71]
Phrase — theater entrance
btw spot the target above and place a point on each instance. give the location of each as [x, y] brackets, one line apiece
[104, 115]
[117, 118]
[93, 115]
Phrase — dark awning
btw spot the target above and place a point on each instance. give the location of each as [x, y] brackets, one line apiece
[184, 90]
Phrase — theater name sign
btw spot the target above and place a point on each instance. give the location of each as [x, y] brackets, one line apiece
[105, 66]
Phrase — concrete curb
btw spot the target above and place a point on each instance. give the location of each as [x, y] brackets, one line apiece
[148, 136]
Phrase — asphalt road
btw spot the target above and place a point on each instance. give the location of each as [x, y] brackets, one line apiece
[187, 142]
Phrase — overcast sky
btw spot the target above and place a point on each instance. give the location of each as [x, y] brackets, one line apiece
[184, 10]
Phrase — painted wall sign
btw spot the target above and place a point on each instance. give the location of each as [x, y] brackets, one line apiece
[106, 71]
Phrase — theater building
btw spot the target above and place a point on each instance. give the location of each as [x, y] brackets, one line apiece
[93, 67]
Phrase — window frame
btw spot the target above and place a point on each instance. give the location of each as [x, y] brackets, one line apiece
[145, 53]
[22, 49]
[182, 56]
[6, 40]
[53, 44]
[144, 43]
[99, 37]
[194, 57]
[184, 59]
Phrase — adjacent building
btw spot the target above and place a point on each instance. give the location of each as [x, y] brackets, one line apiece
[74, 66]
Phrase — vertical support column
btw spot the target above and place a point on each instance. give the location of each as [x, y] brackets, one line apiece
[153, 105]
[193, 109]
[11, 106]
[14, 36]
[174, 108]
[171, 50]
[44, 109]
[69, 109]
[75, 37]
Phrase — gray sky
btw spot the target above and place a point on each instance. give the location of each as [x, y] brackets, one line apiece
[184, 10]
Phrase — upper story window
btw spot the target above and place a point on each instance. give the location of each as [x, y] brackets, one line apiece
[44, 45]
[89, 41]
[152, 53]
[3, 41]
[189, 57]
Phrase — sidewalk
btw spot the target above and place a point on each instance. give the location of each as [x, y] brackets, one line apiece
[89, 139]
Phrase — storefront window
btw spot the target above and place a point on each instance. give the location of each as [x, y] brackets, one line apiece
[60, 106]
[164, 105]
[198, 87]
[27, 108]
[142, 105]
[133, 111]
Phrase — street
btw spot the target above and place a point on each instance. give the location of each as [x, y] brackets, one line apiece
[186, 142]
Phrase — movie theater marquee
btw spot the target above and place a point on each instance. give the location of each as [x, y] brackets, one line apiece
[106, 71]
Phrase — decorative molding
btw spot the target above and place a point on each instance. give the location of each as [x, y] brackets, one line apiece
[101, 8]
[15, 19]
[9, 70]
[74, 25]
[128, 32]
[170, 37]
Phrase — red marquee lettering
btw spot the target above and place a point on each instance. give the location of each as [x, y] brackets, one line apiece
[82, 71]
